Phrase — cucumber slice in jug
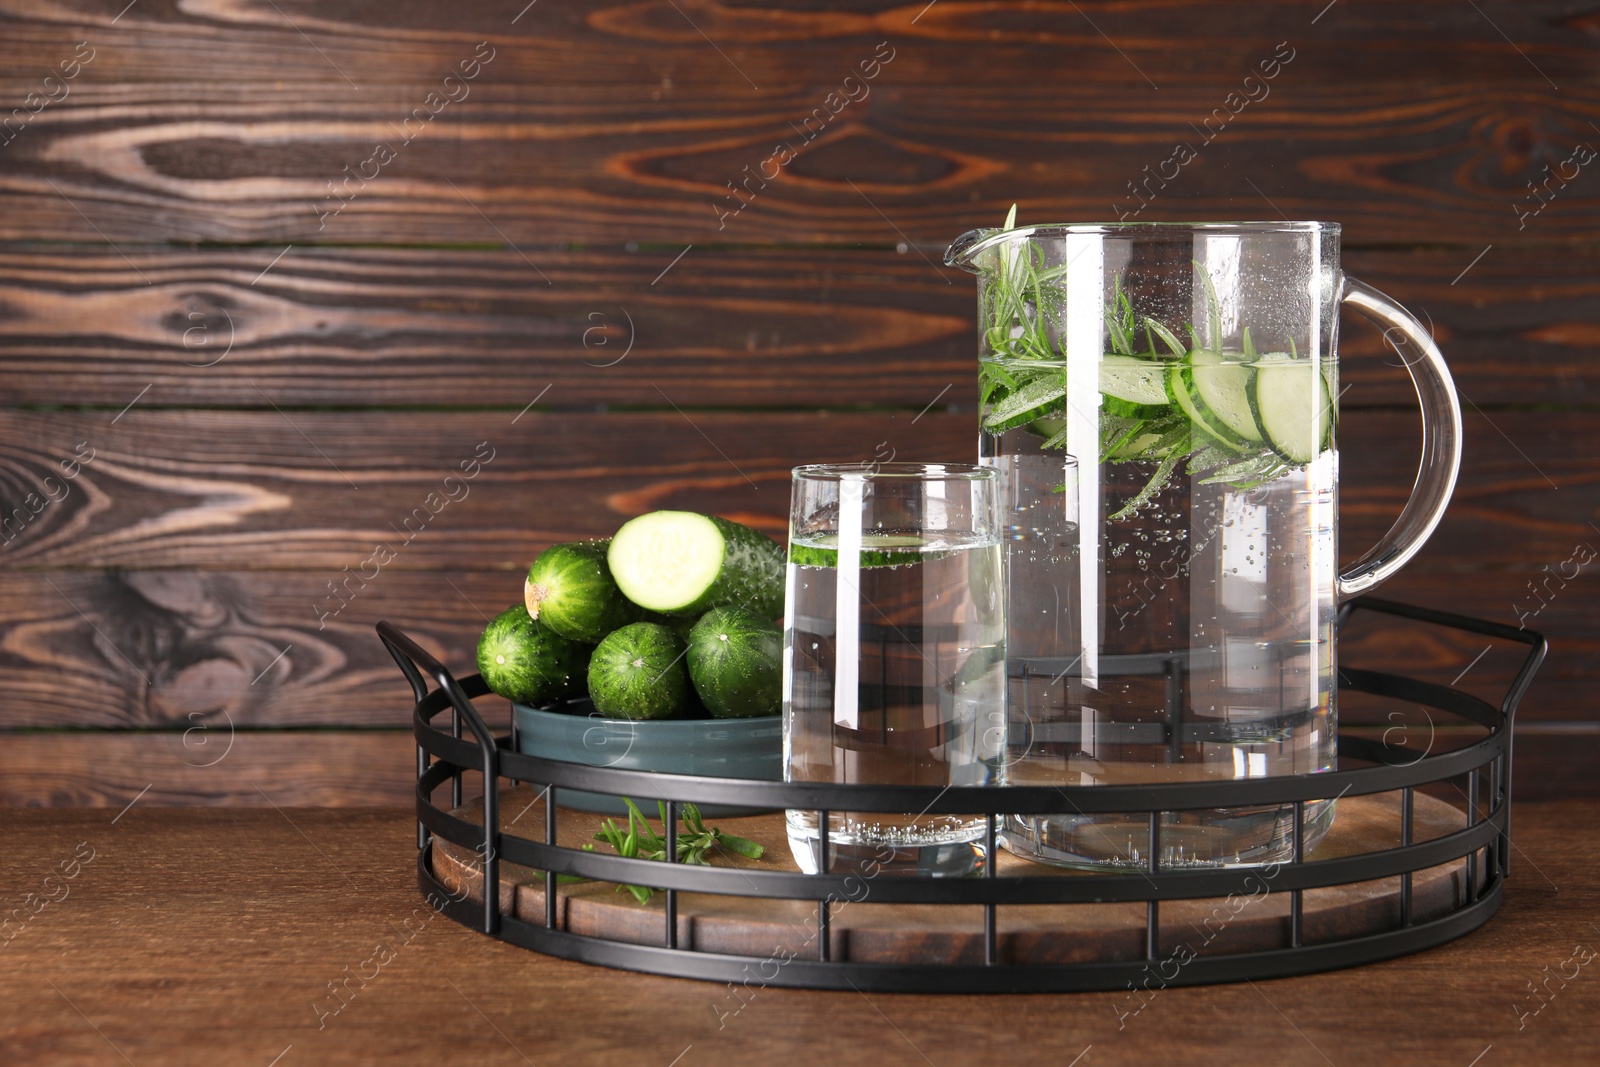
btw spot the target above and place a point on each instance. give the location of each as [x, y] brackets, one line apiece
[1049, 427]
[683, 563]
[1153, 440]
[1136, 446]
[1183, 393]
[1138, 381]
[1032, 400]
[1291, 404]
[1224, 388]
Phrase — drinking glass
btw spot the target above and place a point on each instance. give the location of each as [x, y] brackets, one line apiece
[893, 656]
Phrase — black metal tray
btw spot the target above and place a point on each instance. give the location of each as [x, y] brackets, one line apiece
[1483, 844]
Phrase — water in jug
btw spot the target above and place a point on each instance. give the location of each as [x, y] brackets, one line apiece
[1161, 404]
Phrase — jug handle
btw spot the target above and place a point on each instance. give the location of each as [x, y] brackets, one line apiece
[1441, 442]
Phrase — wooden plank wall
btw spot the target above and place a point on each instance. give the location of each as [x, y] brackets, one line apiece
[270, 272]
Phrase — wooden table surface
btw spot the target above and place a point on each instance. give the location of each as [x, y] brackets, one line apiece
[211, 936]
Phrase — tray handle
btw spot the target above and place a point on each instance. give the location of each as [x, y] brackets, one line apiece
[410, 656]
[1538, 647]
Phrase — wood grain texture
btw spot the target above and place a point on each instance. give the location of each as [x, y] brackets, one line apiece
[1514, 325]
[208, 764]
[1482, 666]
[272, 489]
[563, 48]
[629, 121]
[206, 651]
[370, 327]
[288, 641]
[375, 327]
[199, 937]
[319, 490]
[520, 240]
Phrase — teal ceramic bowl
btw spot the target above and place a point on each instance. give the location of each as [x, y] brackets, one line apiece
[715, 748]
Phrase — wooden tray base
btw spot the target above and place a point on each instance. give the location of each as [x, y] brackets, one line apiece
[943, 934]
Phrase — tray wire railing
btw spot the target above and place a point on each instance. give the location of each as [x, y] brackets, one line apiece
[1481, 846]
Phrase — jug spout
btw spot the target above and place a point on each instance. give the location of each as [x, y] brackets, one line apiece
[965, 250]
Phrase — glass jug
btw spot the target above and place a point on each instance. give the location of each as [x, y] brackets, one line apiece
[1161, 404]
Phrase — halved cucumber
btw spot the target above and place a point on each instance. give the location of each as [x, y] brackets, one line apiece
[1291, 405]
[1182, 391]
[1224, 388]
[683, 563]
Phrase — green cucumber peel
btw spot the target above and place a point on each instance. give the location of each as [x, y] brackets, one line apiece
[820, 556]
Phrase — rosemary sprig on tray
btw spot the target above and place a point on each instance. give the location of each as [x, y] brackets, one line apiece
[640, 841]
